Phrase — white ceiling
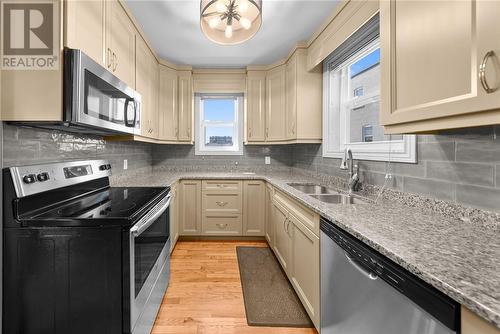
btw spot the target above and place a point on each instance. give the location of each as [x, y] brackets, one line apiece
[173, 29]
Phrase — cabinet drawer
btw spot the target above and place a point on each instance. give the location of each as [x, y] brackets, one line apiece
[222, 225]
[222, 202]
[222, 185]
[306, 216]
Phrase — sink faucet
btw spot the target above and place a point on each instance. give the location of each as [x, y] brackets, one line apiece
[348, 164]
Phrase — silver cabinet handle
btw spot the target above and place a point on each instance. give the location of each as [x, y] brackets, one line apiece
[109, 56]
[482, 72]
[222, 226]
[221, 203]
[115, 62]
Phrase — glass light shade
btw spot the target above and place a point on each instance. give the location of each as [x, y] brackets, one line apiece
[244, 17]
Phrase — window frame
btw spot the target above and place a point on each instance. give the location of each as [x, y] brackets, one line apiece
[201, 125]
[336, 119]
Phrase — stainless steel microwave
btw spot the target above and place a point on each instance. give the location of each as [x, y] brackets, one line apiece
[96, 99]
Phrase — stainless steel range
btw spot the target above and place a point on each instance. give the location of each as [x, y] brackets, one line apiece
[81, 256]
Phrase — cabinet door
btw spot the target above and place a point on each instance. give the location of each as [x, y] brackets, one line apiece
[85, 27]
[282, 241]
[256, 106]
[254, 212]
[168, 120]
[154, 86]
[143, 86]
[305, 267]
[269, 216]
[120, 43]
[431, 56]
[174, 217]
[472, 324]
[276, 117]
[190, 208]
[291, 98]
[185, 106]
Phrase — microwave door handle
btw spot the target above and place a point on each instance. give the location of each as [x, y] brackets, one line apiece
[135, 113]
[129, 100]
[137, 230]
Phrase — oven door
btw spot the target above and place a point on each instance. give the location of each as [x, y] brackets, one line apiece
[149, 256]
[95, 98]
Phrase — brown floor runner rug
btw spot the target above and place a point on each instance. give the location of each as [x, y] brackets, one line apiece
[269, 297]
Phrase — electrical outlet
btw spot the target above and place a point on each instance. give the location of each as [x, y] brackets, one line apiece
[125, 164]
[267, 160]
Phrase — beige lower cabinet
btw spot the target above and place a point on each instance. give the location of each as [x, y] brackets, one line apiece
[222, 207]
[472, 324]
[269, 215]
[254, 212]
[305, 267]
[296, 246]
[190, 207]
[282, 238]
[221, 224]
[174, 216]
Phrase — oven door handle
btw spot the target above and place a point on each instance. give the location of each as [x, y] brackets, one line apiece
[137, 229]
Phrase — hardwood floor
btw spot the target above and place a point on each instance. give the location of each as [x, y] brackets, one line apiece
[204, 294]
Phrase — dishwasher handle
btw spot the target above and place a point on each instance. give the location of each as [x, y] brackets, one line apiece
[362, 270]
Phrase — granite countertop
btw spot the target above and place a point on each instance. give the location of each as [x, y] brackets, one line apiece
[458, 258]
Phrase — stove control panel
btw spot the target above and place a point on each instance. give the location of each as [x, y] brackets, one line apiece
[30, 180]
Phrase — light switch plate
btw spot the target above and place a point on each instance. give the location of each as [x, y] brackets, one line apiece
[125, 164]
[267, 160]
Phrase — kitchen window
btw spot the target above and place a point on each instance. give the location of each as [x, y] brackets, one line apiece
[219, 123]
[351, 81]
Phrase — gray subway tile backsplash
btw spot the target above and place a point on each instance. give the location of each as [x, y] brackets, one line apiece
[480, 197]
[448, 162]
[460, 166]
[463, 173]
[26, 146]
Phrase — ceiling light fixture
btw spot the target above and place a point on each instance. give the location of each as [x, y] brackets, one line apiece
[230, 22]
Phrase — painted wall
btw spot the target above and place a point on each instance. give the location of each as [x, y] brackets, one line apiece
[461, 166]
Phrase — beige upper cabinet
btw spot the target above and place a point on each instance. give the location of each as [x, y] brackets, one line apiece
[143, 86]
[254, 212]
[291, 98]
[168, 114]
[440, 64]
[276, 104]
[85, 27]
[256, 106]
[185, 105]
[120, 43]
[154, 80]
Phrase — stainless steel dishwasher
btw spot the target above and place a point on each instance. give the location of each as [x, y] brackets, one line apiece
[363, 292]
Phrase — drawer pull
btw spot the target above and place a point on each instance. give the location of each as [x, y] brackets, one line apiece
[482, 73]
[222, 226]
[221, 185]
[221, 203]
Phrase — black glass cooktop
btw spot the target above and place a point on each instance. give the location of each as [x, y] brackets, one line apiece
[112, 203]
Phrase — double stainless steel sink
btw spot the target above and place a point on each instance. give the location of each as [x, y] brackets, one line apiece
[325, 194]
